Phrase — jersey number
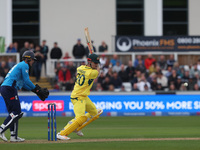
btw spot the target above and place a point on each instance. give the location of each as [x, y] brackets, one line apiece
[81, 79]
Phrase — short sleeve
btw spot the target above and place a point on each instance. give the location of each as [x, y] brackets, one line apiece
[94, 74]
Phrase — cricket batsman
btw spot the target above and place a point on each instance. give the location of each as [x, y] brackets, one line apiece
[79, 98]
[18, 77]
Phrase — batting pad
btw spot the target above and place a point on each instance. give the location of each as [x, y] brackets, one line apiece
[77, 123]
[100, 111]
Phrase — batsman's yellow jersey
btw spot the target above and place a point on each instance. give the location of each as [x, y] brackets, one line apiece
[84, 81]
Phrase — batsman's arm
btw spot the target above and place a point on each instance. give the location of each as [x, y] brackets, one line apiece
[94, 74]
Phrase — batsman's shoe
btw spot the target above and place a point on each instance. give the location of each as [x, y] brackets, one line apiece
[2, 136]
[79, 133]
[18, 139]
[62, 137]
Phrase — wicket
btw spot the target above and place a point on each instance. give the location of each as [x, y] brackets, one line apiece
[52, 116]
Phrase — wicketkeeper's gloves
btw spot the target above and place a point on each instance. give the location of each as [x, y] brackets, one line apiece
[42, 93]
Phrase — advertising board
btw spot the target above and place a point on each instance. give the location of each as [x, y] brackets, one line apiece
[157, 43]
[115, 105]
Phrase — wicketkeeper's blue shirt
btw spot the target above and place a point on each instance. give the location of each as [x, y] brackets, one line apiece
[18, 76]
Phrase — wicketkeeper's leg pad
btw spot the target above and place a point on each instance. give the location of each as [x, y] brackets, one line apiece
[100, 111]
[70, 128]
[11, 119]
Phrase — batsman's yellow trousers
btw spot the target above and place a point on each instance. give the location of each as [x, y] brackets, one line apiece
[83, 104]
[80, 106]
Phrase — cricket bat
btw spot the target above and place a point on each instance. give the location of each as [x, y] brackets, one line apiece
[88, 40]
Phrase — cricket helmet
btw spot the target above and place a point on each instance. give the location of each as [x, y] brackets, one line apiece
[29, 54]
[94, 58]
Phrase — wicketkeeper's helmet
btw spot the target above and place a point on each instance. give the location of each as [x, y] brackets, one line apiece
[29, 54]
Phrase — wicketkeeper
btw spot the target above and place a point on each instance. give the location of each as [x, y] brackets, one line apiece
[18, 77]
[79, 97]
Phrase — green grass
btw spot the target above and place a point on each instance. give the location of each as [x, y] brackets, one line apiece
[154, 145]
[32, 128]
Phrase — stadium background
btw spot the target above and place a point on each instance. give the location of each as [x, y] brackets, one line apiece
[63, 21]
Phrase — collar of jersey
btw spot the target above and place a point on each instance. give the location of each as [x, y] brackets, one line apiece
[87, 67]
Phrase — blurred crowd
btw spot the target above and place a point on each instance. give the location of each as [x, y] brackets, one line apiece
[5, 66]
[145, 73]
[148, 74]
[62, 76]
